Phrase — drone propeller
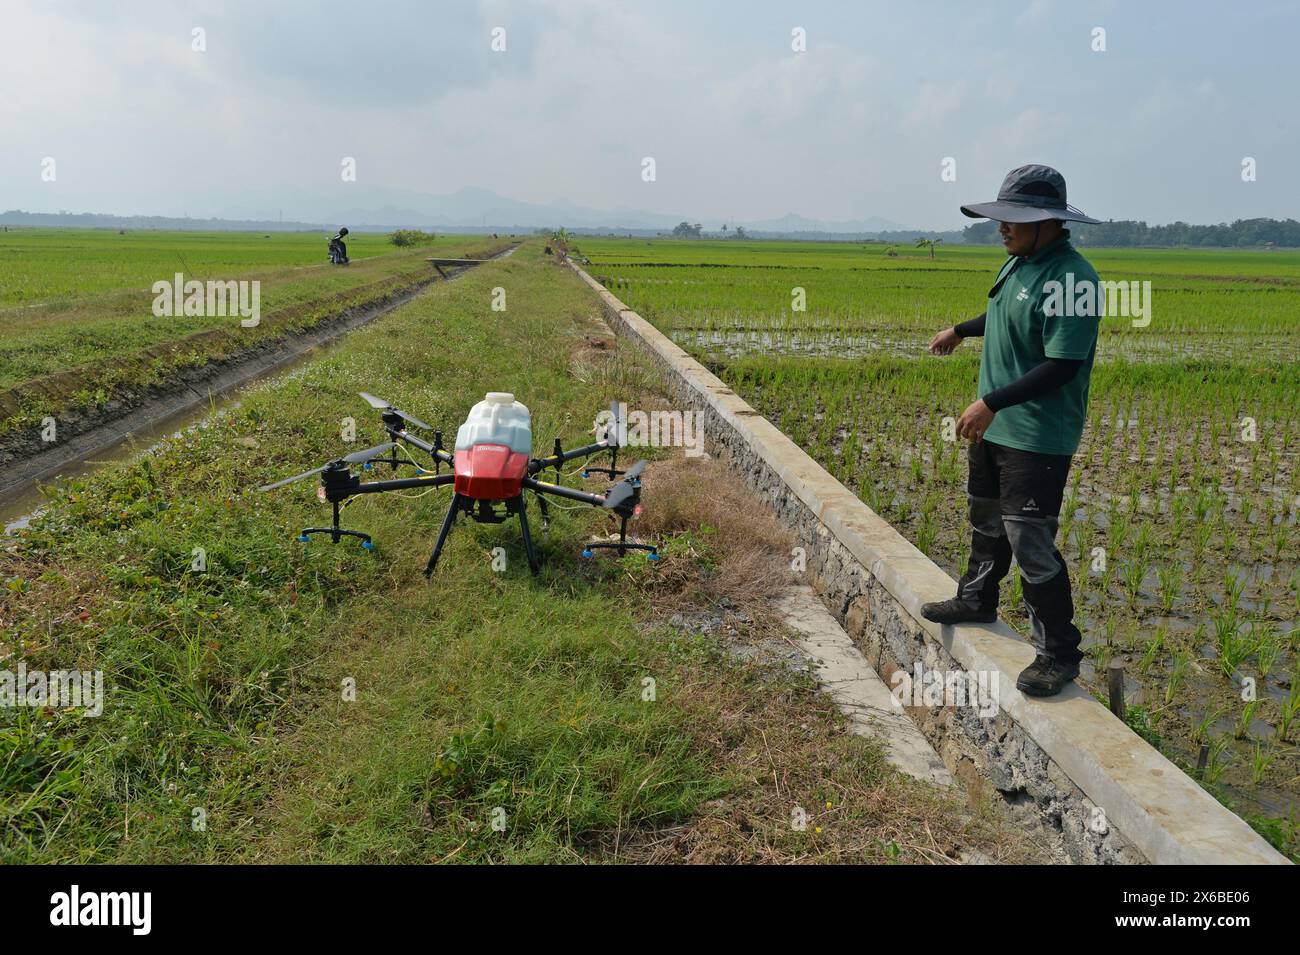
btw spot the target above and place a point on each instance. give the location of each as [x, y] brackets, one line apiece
[296, 477]
[379, 404]
[356, 457]
[625, 488]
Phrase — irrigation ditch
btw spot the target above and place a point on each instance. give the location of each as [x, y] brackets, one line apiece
[93, 436]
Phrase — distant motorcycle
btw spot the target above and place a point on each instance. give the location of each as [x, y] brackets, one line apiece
[338, 249]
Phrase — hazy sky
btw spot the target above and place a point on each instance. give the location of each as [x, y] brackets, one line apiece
[740, 125]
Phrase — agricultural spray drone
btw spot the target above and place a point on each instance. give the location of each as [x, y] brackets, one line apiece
[490, 470]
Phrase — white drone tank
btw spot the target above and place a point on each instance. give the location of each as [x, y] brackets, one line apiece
[497, 419]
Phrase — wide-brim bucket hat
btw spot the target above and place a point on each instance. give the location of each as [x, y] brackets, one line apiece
[1030, 193]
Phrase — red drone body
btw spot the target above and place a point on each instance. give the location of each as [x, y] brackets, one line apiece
[490, 472]
[493, 448]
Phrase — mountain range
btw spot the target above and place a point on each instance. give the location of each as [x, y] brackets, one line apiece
[370, 208]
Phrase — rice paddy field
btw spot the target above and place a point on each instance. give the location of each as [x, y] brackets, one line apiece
[60, 266]
[77, 327]
[1180, 517]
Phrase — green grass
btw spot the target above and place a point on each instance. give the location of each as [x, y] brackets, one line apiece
[95, 339]
[476, 691]
[66, 265]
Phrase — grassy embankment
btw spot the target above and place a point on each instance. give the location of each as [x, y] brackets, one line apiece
[478, 693]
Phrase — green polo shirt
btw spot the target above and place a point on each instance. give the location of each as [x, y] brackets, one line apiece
[1020, 333]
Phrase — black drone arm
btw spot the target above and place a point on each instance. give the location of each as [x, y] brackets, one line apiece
[541, 464]
[610, 442]
[623, 499]
[340, 484]
[559, 490]
[446, 457]
[402, 484]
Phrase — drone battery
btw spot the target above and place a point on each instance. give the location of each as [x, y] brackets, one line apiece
[493, 447]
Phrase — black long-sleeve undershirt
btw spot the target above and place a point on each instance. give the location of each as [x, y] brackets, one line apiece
[1047, 376]
[972, 328]
[1044, 377]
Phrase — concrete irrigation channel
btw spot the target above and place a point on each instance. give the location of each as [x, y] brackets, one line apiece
[101, 435]
[1101, 791]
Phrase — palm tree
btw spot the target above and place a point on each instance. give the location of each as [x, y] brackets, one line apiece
[920, 243]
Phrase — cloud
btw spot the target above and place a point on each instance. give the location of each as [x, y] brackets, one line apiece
[935, 102]
[828, 79]
[740, 126]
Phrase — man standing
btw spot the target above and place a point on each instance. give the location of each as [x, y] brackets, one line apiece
[1026, 426]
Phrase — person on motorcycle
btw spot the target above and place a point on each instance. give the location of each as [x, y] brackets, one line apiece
[338, 249]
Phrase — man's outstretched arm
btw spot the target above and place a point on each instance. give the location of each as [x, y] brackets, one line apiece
[945, 341]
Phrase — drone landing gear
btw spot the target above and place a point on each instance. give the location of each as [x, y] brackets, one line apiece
[485, 514]
[528, 538]
[336, 533]
[622, 545]
[546, 514]
[390, 459]
[611, 472]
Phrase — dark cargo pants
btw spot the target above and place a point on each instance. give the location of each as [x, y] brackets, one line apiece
[1015, 501]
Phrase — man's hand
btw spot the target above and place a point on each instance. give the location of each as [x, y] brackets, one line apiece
[975, 420]
[944, 342]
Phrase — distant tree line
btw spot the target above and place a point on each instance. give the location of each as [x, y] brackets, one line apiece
[1281, 233]
[910, 236]
[687, 230]
[95, 220]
